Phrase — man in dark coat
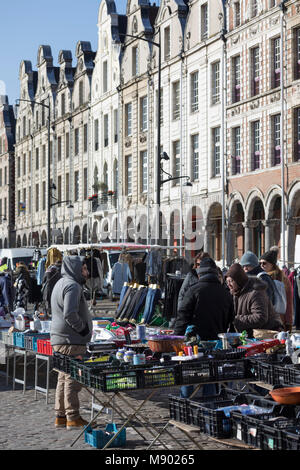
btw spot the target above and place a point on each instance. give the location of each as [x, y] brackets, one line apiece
[207, 304]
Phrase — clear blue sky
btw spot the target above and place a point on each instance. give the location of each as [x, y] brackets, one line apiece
[26, 24]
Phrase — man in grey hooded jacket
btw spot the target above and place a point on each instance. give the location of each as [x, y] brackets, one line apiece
[71, 330]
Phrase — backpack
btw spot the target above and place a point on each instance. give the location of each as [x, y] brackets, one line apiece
[51, 277]
[279, 297]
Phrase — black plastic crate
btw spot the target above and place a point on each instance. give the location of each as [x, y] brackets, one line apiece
[272, 433]
[194, 372]
[178, 409]
[291, 437]
[163, 376]
[266, 372]
[294, 374]
[233, 369]
[227, 354]
[281, 374]
[118, 380]
[213, 421]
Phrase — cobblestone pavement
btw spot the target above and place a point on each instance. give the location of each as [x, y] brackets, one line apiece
[27, 423]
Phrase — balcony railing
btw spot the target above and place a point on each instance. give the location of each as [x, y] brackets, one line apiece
[103, 201]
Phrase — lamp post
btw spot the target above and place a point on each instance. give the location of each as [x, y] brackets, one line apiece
[49, 159]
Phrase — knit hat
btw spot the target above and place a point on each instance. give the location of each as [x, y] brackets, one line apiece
[249, 259]
[237, 273]
[207, 265]
[270, 256]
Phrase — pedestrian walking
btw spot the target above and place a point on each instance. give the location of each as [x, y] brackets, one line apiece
[71, 330]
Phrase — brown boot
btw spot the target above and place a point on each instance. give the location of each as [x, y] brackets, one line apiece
[77, 423]
[60, 422]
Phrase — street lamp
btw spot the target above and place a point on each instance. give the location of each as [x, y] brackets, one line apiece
[49, 158]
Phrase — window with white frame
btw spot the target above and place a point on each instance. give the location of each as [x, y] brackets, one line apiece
[161, 106]
[96, 134]
[216, 151]
[195, 156]
[105, 76]
[128, 119]
[144, 171]
[81, 94]
[255, 140]
[194, 91]
[144, 113]
[254, 8]
[176, 159]
[296, 53]
[44, 196]
[167, 43]
[105, 130]
[236, 79]
[236, 150]
[215, 71]
[129, 175]
[237, 14]
[204, 21]
[276, 157]
[76, 141]
[255, 70]
[116, 125]
[276, 62]
[135, 61]
[176, 100]
[296, 134]
[76, 186]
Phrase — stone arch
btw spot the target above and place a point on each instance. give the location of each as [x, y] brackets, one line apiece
[105, 230]
[115, 230]
[60, 237]
[129, 230]
[235, 232]
[67, 236]
[76, 235]
[84, 236]
[44, 238]
[19, 243]
[214, 231]
[5, 243]
[24, 240]
[141, 229]
[175, 228]
[194, 231]
[95, 232]
[250, 201]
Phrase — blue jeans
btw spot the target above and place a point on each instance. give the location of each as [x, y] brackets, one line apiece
[153, 295]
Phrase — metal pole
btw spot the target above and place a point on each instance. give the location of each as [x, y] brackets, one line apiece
[282, 134]
[158, 182]
[49, 183]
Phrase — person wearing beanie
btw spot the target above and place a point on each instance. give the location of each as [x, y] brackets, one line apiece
[252, 307]
[268, 262]
[250, 263]
[207, 304]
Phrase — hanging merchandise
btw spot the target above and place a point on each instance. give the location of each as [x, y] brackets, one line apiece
[154, 263]
[172, 288]
[152, 298]
[120, 273]
[41, 270]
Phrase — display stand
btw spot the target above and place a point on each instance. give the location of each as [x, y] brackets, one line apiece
[20, 352]
[38, 388]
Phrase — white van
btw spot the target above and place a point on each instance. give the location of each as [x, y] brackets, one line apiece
[15, 255]
[112, 251]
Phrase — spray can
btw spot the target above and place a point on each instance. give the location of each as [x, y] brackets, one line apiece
[141, 332]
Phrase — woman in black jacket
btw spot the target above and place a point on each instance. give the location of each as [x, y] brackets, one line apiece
[191, 278]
